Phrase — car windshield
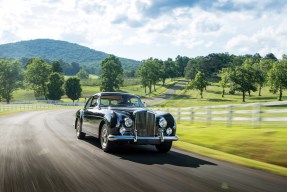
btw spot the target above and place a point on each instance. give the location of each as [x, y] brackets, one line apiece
[120, 101]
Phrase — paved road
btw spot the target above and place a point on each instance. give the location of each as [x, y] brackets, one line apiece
[39, 152]
[169, 93]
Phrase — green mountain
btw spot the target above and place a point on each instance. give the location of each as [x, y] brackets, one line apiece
[60, 50]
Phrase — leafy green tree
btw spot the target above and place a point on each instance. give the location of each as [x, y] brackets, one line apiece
[181, 63]
[242, 80]
[191, 68]
[168, 70]
[150, 72]
[278, 78]
[11, 76]
[142, 72]
[56, 67]
[112, 74]
[55, 86]
[82, 74]
[37, 75]
[199, 83]
[271, 56]
[225, 78]
[249, 65]
[73, 88]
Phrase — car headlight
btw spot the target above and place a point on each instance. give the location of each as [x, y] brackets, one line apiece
[122, 130]
[162, 122]
[128, 122]
[169, 131]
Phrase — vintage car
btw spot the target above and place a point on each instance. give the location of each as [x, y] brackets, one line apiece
[117, 118]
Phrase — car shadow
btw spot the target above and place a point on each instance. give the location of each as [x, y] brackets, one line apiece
[149, 156]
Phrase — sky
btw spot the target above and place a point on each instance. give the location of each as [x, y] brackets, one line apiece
[139, 29]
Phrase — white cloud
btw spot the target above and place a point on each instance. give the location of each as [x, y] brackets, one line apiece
[138, 29]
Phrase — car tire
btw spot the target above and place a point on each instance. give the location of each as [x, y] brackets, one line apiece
[80, 135]
[107, 146]
[164, 147]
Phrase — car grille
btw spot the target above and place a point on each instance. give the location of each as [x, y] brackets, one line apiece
[145, 123]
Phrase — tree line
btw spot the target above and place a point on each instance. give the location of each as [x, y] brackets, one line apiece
[245, 74]
[46, 80]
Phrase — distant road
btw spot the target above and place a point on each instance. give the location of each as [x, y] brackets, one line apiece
[39, 152]
[169, 93]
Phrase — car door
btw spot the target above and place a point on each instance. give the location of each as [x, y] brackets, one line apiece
[91, 117]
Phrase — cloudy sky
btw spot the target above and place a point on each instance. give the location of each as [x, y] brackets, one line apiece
[139, 29]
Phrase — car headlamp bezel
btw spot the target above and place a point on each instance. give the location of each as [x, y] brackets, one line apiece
[128, 122]
[162, 122]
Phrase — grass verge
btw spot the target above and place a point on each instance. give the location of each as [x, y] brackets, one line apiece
[231, 158]
[262, 148]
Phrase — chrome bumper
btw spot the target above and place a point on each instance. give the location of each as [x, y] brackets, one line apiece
[142, 140]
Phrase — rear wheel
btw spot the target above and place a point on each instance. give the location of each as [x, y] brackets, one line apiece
[106, 145]
[164, 147]
[79, 133]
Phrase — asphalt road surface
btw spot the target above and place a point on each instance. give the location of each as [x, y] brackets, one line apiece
[39, 152]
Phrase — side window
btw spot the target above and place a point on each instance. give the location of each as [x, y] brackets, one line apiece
[134, 102]
[88, 104]
[94, 102]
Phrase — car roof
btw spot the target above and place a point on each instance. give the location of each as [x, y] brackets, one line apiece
[113, 93]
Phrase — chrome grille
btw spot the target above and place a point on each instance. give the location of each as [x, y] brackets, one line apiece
[145, 123]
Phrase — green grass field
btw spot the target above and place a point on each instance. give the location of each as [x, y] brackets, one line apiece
[212, 96]
[265, 144]
[130, 86]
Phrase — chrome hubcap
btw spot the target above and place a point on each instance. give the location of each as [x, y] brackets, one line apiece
[78, 128]
[104, 138]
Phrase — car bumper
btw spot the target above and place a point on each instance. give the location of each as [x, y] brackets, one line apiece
[142, 140]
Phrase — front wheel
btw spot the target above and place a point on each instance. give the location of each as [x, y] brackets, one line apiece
[106, 145]
[79, 133]
[164, 147]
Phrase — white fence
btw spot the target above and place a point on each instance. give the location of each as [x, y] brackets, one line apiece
[37, 105]
[254, 112]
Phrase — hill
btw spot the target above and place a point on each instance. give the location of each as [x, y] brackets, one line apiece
[60, 50]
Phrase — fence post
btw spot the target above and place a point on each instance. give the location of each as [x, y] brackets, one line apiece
[208, 115]
[178, 114]
[191, 115]
[256, 115]
[229, 116]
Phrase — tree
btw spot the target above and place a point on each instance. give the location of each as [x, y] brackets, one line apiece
[278, 78]
[55, 86]
[56, 67]
[181, 63]
[249, 65]
[168, 70]
[11, 77]
[271, 56]
[37, 76]
[191, 68]
[242, 80]
[73, 88]
[112, 74]
[199, 83]
[82, 74]
[150, 72]
[142, 72]
[224, 75]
